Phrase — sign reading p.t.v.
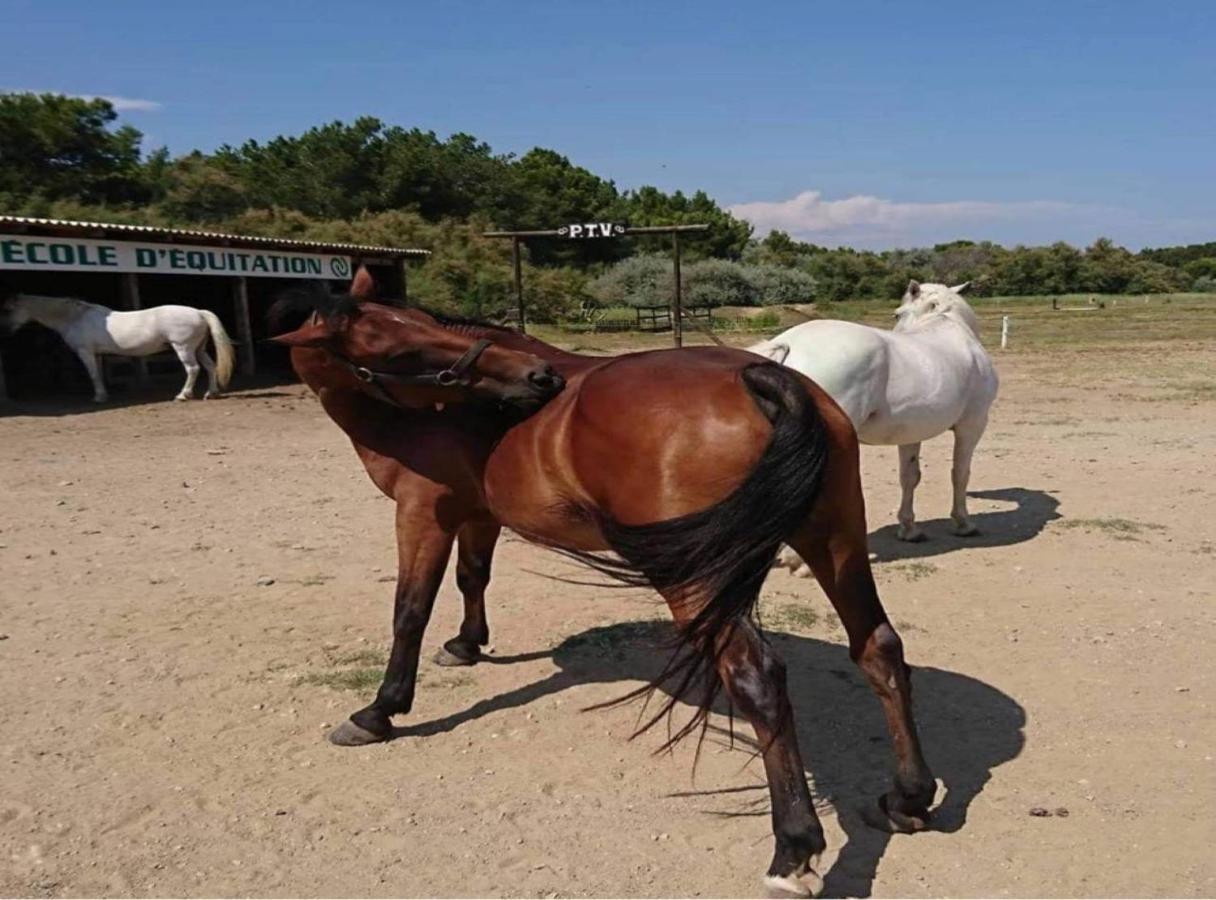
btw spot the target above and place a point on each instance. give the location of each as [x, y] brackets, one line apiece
[585, 230]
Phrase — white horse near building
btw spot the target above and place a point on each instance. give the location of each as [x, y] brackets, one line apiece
[91, 330]
[929, 375]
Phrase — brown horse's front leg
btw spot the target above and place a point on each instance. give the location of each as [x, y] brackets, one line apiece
[423, 548]
[754, 677]
[842, 566]
[474, 552]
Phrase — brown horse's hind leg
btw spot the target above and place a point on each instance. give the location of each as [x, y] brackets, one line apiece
[754, 677]
[423, 549]
[842, 566]
[474, 552]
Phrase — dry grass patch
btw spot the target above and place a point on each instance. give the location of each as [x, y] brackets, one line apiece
[1119, 529]
[913, 571]
[791, 617]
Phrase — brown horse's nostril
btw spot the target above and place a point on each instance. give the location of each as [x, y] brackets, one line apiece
[546, 379]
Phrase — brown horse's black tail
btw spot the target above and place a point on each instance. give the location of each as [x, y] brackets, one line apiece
[719, 557]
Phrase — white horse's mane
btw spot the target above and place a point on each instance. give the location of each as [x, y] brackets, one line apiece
[62, 305]
[933, 303]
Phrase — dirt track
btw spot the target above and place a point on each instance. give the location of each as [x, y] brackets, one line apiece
[165, 713]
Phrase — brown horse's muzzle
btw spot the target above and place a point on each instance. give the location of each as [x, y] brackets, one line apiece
[540, 385]
[546, 380]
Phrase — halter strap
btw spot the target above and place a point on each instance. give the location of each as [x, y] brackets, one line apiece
[455, 375]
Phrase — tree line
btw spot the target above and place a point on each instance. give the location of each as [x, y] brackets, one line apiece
[370, 182]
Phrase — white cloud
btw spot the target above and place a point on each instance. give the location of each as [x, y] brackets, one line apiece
[129, 104]
[120, 104]
[865, 221]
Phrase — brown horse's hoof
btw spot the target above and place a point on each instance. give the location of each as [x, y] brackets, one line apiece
[445, 657]
[348, 734]
[883, 818]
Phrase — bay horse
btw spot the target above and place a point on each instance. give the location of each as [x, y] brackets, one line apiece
[91, 329]
[691, 466]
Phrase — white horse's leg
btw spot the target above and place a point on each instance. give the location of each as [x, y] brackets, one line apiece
[788, 558]
[213, 386]
[909, 478]
[93, 367]
[967, 434]
[186, 354]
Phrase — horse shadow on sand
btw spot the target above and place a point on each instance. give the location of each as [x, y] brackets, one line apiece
[161, 391]
[1031, 511]
[968, 728]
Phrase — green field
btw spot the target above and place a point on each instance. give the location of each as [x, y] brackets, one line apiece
[1034, 325]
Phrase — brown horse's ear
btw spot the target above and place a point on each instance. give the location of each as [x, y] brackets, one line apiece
[364, 286]
[312, 333]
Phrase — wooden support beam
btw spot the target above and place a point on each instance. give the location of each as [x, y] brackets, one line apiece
[130, 293]
[244, 328]
[402, 270]
[677, 313]
[519, 286]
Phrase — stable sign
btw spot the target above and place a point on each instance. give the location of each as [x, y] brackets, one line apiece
[33, 253]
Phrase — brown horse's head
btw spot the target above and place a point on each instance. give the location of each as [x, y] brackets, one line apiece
[408, 358]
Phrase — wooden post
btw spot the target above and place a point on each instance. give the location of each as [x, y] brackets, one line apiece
[401, 271]
[677, 314]
[519, 285]
[130, 291]
[244, 330]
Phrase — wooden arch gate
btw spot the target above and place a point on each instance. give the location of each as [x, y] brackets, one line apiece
[604, 231]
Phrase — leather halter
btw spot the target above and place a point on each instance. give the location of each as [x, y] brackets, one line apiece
[455, 375]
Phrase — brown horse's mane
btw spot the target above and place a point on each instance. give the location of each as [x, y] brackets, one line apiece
[508, 337]
[329, 305]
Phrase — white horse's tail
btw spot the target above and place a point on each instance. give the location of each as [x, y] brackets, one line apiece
[776, 351]
[223, 347]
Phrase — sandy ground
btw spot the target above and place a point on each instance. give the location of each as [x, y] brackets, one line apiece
[164, 707]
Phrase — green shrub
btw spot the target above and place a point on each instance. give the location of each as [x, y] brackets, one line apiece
[646, 280]
[779, 285]
[717, 282]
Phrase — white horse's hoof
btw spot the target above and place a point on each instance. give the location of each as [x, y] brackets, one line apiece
[788, 558]
[803, 571]
[911, 535]
[807, 884]
[100, 399]
[182, 398]
[211, 395]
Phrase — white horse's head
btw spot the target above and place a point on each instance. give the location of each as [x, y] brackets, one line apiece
[924, 303]
[13, 311]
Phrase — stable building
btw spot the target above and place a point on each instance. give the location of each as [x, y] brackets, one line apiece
[137, 266]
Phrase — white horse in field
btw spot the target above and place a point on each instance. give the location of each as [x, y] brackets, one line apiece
[928, 375]
[91, 330]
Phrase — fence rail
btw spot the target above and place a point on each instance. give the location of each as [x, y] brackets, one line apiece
[658, 318]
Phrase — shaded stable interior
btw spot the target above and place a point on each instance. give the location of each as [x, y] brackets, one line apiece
[36, 364]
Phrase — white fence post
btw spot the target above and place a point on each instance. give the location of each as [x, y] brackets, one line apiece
[1004, 332]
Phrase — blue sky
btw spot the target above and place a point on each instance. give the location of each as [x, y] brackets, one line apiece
[863, 123]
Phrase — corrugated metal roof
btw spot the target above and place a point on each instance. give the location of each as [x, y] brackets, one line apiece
[91, 229]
